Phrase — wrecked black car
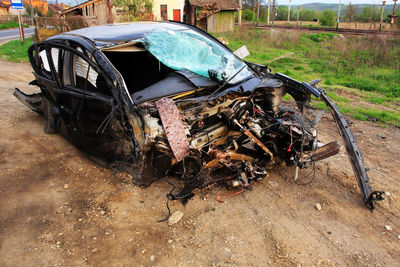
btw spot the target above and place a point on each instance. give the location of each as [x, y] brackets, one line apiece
[165, 98]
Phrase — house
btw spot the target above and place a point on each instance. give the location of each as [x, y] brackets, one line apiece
[168, 10]
[38, 4]
[211, 15]
[4, 8]
[95, 12]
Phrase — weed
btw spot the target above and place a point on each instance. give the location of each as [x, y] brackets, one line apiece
[15, 51]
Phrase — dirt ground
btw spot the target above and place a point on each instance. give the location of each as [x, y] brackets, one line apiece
[60, 209]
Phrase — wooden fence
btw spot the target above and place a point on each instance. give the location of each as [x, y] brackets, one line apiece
[7, 18]
[47, 27]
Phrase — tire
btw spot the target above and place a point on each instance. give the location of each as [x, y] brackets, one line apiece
[49, 122]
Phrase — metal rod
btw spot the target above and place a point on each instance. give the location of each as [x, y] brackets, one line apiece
[240, 13]
[338, 15]
[32, 13]
[383, 11]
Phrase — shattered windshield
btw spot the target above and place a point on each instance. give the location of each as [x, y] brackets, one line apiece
[190, 50]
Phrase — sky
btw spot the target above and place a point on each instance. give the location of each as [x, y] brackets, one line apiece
[299, 2]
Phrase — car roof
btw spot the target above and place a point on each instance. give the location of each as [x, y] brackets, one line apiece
[112, 33]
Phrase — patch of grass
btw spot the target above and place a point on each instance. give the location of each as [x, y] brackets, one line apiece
[11, 24]
[15, 51]
[376, 100]
[336, 97]
[368, 67]
[320, 37]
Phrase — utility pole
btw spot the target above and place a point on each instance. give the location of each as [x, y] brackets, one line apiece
[383, 11]
[32, 13]
[240, 13]
[258, 12]
[298, 12]
[273, 11]
[269, 11]
[394, 9]
[288, 14]
[338, 15]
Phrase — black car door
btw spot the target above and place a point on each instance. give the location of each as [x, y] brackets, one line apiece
[81, 99]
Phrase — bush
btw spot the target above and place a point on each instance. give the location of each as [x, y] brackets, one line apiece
[249, 15]
[327, 18]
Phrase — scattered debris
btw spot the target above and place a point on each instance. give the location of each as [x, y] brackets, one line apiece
[318, 206]
[152, 258]
[169, 241]
[208, 119]
[175, 217]
[381, 137]
[227, 195]
[94, 250]
[388, 227]
[273, 183]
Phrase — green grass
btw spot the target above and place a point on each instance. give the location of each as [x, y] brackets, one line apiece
[11, 24]
[368, 69]
[15, 51]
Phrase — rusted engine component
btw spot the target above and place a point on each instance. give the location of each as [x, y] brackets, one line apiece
[322, 152]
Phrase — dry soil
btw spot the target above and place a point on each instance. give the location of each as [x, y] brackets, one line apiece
[57, 208]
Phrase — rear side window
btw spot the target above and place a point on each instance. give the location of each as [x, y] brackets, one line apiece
[82, 75]
[82, 70]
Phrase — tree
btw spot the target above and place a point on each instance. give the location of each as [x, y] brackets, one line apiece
[282, 13]
[327, 18]
[351, 11]
[307, 14]
[368, 14]
[36, 10]
[249, 15]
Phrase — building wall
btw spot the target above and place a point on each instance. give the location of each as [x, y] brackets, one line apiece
[171, 5]
[3, 11]
[222, 21]
[40, 4]
[98, 10]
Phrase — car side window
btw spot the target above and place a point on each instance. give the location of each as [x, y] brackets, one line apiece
[79, 74]
[44, 67]
[81, 70]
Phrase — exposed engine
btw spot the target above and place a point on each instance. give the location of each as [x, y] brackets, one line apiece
[231, 138]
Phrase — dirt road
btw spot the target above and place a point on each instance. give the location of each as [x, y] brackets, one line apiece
[60, 209]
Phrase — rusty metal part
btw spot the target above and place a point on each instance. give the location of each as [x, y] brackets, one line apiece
[354, 153]
[229, 114]
[254, 139]
[230, 155]
[323, 152]
[223, 139]
[208, 135]
[173, 127]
